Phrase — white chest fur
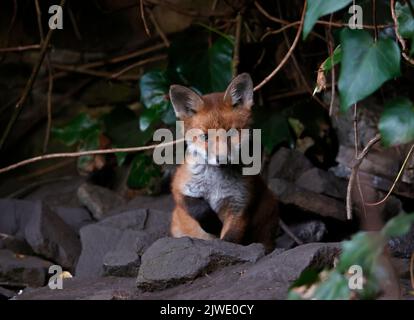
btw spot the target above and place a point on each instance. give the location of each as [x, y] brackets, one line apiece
[218, 186]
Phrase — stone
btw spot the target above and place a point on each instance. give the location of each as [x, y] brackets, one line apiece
[51, 237]
[6, 294]
[23, 270]
[290, 194]
[76, 218]
[324, 182]
[14, 244]
[288, 164]
[171, 261]
[98, 200]
[309, 231]
[115, 244]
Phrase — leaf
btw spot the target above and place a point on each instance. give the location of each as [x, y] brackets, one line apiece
[337, 57]
[143, 171]
[318, 8]
[398, 226]
[334, 288]
[90, 142]
[396, 124]
[363, 249]
[78, 129]
[275, 128]
[405, 22]
[365, 65]
[193, 62]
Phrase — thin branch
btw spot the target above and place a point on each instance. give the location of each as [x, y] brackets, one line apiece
[144, 21]
[29, 84]
[236, 55]
[99, 74]
[412, 270]
[410, 152]
[84, 153]
[355, 167]
[374, 19]
[399, 37]
[331, 50]
[158, 28]
[286, 229]
[21, 48]
[288, 54]
[138, 64]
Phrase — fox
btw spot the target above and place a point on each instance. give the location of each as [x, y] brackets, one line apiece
[215, 200]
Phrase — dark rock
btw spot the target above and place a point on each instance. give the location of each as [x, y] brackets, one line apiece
[76, 218]
[51, 237]
[23, 270]
[15, 214]
[161, 202]
[288, 164]
[6, 294]
[309, 231]
[306, 200]
[171, 261]
[14, 244]
[321, 181]
[402, 247]
[115, 244]
[98, 200]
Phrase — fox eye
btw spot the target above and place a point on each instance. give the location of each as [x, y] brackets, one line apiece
[204, 137]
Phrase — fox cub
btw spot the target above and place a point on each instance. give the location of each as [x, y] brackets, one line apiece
[215, 200]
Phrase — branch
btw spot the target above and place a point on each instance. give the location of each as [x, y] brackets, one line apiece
[29, 84]
[236, 55]
[21, 48]
[288, 54]
[84, 153]
[399, 37]
[355, 167]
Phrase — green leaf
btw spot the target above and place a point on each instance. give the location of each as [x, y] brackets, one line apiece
[318, 8]
[398, 226]
[194, 63]
[396, 124]
[143, 171]
[90, 142]
[405, 22]
[337, 57]
[77, 130]
[363, 249]
[365, 65]
[334, 288]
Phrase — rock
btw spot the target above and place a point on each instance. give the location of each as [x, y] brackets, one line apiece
[51, 237]
[14, 244]
[306, 200]
[324, 182]
[288, 164]
[402, 247]
[309, 231]
[46, 233]
[23, 270]
[115, 244]
[76, 218]
[171, 261]
[98, 200]
[161, 202]
[6, 294]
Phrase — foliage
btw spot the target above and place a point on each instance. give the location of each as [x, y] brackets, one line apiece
[405, 22]
[364, 250]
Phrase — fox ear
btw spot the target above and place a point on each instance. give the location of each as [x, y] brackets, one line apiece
[240, 91]
[185, 101]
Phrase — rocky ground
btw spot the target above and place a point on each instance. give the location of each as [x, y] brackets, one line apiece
[118, 249]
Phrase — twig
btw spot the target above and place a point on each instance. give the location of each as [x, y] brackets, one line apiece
[158, 28]
[29, 84]
[74, 24]
[330, 49]
[355, 167]
[286, 229]
[236, 55]
[84, 153]
[374, 19]
[138, 64]
[288, 54]
[99, 74]
[412, 270]
[399, 37]
[21, 48]
[144, 21]
[396, 179]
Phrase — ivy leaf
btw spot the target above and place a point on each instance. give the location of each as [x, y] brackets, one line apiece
[365, 65]
[405, 22]
[336, 57]
[398, 226]
[90, 142]
[396, 124]
[77, 130]
[334, 288]
[143, 172]
[318, 8]
[194, 62]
